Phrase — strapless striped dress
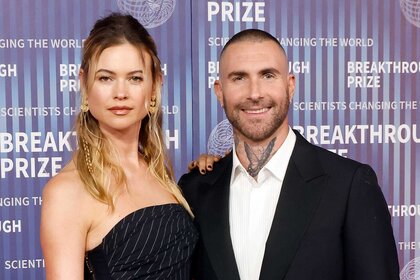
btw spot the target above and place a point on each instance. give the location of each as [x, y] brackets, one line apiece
[155, 242]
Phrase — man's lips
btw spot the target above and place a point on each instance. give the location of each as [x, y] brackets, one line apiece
[256, 111]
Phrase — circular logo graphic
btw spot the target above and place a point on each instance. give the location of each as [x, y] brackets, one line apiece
[220, 139]
[150, 13]
[411, 11]
[411, 271]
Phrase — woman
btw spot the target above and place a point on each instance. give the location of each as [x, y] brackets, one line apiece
[114, 211]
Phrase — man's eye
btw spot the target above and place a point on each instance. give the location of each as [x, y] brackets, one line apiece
[238, 78]
[269, 75]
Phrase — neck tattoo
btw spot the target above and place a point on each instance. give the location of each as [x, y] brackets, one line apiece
[258, 157]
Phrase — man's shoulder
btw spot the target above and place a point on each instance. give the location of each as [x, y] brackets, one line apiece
[190, 178]
[308, 155]
[194, 183]
[344, 168]
[324, 155]
[330, 158]
[194, 176]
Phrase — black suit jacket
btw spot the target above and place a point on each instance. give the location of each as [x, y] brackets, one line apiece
[331, 221]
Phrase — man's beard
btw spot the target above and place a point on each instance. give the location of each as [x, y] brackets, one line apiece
[259, 130]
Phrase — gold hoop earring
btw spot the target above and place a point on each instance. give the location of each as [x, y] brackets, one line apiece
[152, 108]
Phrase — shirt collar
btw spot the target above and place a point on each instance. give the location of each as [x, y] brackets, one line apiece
[277, 165]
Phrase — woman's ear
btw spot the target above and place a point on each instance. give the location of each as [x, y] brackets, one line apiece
[81, 75]
[158, 83]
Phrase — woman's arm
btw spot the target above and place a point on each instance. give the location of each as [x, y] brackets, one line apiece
[63, 228]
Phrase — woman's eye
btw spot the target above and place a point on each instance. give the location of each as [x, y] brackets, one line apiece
[104, 78]
[136, 79]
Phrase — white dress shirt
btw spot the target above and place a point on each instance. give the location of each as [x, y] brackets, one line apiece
[252, 205]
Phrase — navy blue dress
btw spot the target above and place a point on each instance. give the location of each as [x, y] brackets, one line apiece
[155, 242]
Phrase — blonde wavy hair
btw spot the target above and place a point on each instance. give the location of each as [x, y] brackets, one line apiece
[95, 157]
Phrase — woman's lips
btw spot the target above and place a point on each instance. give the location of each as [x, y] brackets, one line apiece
[120, 110]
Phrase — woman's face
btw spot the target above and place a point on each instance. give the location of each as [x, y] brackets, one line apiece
[122, 88]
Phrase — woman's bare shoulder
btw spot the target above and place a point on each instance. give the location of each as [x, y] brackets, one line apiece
[65, 222]
[66, 187]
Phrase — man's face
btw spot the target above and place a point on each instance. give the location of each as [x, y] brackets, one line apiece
[255, 89]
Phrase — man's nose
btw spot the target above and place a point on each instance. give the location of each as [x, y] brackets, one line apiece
[255, 89]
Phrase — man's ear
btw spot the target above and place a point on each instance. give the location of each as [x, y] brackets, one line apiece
[218, 90]
[291, 83]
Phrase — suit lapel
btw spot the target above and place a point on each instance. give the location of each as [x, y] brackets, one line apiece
[299, 197]
[215, 222]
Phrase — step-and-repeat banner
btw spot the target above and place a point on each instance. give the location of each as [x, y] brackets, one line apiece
[357, 65]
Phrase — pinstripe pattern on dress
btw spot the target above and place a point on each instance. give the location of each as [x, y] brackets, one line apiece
[155, 242]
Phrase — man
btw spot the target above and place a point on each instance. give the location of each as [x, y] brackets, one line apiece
[278, 207]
